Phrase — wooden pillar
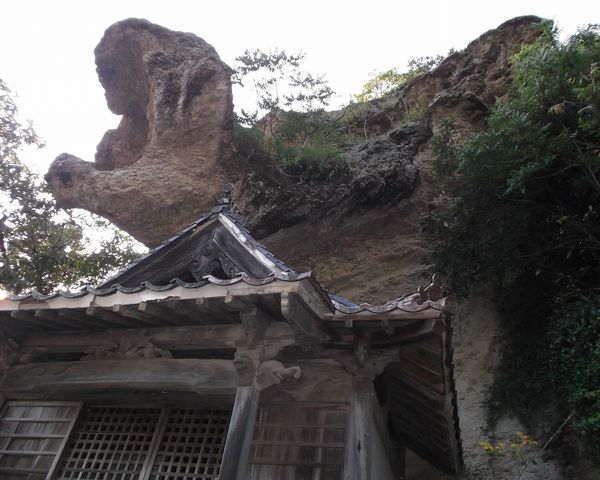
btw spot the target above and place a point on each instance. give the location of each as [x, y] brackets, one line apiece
[239, 435]
[357, 465]
[394, 447]
[399, 463]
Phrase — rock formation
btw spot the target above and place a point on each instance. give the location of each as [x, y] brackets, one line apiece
[360, 233]
[171, 152]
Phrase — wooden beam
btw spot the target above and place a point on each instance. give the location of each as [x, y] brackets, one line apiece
[209, 307]
[108, 316]
[31, 321]
[240, 303]
[131, 311]
[301, 319]
[79, 316]
[407, 334]
[239, 436]
[450, 398]
[189, 310]
[207, 377]
[206, 337]
[162, 313]
[56, 319]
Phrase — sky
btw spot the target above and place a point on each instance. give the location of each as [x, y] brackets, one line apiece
[46, 47]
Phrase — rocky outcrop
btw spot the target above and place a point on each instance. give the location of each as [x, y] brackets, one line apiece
[171, 153]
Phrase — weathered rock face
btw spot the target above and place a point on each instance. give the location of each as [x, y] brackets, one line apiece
[171, 153]
[370, 248]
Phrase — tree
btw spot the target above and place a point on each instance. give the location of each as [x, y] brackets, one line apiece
[279, 82]
[40, 246]
[525, 218]
[385, 82]
[290, 129]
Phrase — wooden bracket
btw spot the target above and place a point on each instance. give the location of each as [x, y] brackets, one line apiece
[302, 321]
[255, 322]
[272, 373]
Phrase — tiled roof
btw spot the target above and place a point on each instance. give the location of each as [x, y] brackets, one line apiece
[102, 292]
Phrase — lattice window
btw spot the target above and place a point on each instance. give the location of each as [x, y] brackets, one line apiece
[191, 445]
[299, 442]
[141, 443]
[110, 443]
[32, 436]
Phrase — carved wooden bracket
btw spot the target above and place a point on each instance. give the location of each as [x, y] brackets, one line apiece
[124, 349]
[251, 371]
[10, 354]
[272, 373]
[255, 322]
[245, 365]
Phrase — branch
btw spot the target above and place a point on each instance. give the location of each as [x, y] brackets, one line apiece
[558, 430]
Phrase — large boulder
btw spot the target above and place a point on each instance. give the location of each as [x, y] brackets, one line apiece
[171, 152]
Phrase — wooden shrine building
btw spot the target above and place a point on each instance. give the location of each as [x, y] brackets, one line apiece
[210, 358]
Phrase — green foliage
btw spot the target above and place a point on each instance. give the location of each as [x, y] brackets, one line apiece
[41, 247]
[385, 82]
[302, 143]
[445, 148]
[315, 161]
[574, 364]
[525, 215]
[279, 82]
[381, 83]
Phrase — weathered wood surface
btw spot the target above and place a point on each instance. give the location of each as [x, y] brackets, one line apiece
[395, 450]
[208, 337]
[206, 377]
[421, 399]
[405, 334]
[359, 439]
[299, 440]
[302, 319]
[321, 381]
[33, 436]
[239, 436]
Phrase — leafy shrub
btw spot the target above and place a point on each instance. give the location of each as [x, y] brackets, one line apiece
[574, 365]
[444, 148]
[313, 161]
[525, 218]
[382, 83]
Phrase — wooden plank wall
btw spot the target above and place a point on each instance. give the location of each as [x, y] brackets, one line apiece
[32, 437]
[299, 441]
[422, 401]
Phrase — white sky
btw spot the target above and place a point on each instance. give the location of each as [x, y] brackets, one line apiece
[46, 47]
